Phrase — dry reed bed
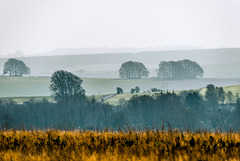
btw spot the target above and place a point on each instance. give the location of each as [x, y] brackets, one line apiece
[108, 145]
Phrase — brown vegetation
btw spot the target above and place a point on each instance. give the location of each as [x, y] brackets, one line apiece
[108, 145]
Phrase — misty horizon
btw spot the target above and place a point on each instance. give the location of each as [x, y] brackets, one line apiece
[40, 27]
[107, 50]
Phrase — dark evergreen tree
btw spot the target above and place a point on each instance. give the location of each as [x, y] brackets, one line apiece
[230, 97]
[119, 90]
[211, 97]
[238, 104]
[137, 89]
[221, 95]
[193, 100]
[132, 90]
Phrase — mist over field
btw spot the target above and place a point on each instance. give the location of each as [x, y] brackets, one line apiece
[217, 63]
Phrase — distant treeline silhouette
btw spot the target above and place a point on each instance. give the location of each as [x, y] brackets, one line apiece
[182, 69]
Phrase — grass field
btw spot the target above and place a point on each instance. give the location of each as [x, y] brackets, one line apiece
[21, 89]
[113, 146]
[233, 89]
[20, 100]
[39, 86]
[115, 100]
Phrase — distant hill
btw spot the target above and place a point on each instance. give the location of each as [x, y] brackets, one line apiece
[225, 70]
[216, 62]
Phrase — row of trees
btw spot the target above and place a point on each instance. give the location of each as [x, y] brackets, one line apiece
[186, 112]
[217, 95]
[73, 109]
[183, 69]
[133, 90]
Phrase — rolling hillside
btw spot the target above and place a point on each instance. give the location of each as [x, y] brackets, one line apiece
[126, 96]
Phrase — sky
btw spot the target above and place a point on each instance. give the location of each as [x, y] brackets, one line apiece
[34, 26]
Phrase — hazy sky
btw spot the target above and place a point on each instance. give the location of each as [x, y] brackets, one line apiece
[42, 25]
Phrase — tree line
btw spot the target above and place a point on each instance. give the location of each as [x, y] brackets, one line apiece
[188, 110]
[183, 69]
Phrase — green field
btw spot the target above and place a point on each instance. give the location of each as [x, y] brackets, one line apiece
[115, 100]
[20, 100]
[25, 87]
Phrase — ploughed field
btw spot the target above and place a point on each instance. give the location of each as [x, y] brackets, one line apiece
[121, 145]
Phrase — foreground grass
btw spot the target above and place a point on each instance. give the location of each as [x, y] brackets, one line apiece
[141, 145]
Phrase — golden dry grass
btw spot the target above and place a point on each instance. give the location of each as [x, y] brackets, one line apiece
[131, 146]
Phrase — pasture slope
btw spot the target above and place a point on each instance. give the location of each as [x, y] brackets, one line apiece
[115, 100]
